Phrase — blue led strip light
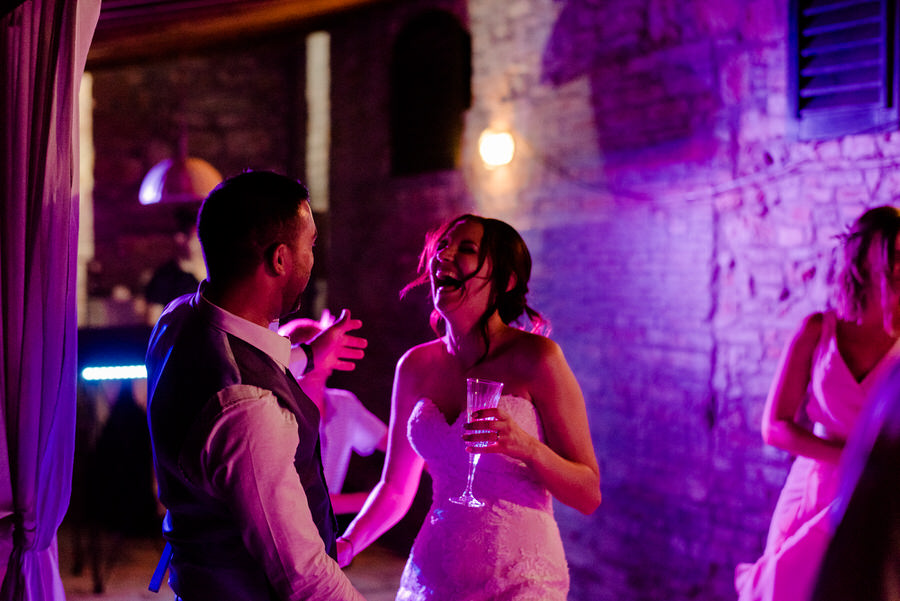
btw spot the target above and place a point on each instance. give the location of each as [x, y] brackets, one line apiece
[114, 372]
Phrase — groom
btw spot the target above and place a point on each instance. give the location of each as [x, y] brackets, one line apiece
[235, 440]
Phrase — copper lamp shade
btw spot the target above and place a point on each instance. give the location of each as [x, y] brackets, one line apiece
[187, 179]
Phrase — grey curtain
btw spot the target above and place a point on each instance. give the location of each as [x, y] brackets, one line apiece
[45, 45]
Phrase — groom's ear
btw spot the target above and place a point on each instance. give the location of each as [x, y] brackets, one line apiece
[276, 258]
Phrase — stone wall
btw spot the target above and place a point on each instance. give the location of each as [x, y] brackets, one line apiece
[679, 235]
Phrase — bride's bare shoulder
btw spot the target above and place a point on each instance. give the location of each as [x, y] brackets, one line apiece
[421, 354]
[530, 351]
[534, 344]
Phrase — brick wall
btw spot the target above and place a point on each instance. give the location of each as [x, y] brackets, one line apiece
[238, 109]
[678, 235]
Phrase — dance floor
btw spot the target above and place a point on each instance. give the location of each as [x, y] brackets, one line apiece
[128, 565]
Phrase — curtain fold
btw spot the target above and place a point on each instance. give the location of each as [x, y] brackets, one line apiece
[45, 44]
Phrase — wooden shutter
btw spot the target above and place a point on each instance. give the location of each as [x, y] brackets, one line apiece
[842, 67]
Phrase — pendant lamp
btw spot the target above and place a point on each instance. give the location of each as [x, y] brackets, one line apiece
[181, 179]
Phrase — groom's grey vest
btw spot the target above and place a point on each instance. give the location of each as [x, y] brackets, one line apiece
[188, 362]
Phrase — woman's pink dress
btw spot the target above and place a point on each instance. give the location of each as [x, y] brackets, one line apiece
[800, 529]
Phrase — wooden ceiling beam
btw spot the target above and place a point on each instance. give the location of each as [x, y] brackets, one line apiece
[136, 30]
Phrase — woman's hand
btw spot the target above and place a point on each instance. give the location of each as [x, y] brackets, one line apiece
[335, 349]
[344, 551]
[501, 432]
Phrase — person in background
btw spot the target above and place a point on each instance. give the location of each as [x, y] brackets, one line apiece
[235, 440]
[540, 445]
[345, 425]
[181, 274]
[827, 373]
[862, 562]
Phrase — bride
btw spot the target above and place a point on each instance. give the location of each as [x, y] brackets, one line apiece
[540, 443]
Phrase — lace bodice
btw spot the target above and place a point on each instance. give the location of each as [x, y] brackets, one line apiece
[510, 549]
[497, 476]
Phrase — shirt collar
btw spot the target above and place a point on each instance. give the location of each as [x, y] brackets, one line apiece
[271, 343]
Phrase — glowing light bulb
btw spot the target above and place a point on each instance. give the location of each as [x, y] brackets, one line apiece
[496, 148]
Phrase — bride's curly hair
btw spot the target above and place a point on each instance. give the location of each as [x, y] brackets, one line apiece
[510, 261]
[877, 230]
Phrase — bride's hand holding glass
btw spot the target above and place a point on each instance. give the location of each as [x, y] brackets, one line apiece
[500, 432]
[480, 394]
[482, 432]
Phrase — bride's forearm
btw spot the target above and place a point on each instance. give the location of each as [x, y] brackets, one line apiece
[382, 510]
[575, 484]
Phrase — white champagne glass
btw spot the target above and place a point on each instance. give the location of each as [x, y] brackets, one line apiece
[480, 394]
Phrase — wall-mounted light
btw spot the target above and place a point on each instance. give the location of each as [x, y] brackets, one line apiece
[496, 148]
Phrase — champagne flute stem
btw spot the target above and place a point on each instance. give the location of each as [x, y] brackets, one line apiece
[473, 462]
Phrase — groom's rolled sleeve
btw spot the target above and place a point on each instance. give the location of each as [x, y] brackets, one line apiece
[248, 461]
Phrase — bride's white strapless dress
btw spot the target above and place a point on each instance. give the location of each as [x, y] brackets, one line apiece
[508, 550]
